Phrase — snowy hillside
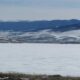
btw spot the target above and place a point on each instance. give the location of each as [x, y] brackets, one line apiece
[42, 36]
[55, 31]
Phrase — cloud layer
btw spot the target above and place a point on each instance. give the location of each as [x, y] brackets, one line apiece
[42, 3]
[39, 9]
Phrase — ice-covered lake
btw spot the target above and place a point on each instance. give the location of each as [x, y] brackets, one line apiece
[61, 59]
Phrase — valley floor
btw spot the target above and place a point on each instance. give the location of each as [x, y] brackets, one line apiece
[50, 59]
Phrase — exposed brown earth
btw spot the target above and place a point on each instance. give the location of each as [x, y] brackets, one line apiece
[18, 76]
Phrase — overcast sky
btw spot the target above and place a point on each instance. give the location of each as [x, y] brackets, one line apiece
[39, 9]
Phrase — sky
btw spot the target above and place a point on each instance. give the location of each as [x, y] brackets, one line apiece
[39, 9]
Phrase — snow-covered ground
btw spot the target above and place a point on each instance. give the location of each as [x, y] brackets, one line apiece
[61, 59]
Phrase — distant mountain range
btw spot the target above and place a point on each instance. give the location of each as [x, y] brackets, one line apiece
[54, 31]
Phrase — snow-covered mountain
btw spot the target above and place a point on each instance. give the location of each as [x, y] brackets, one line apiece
[42, 36]
[55, 31]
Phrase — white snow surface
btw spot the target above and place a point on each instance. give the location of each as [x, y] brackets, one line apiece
[31, 58]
